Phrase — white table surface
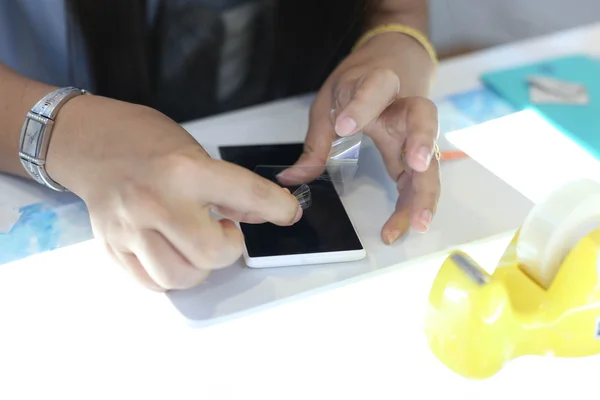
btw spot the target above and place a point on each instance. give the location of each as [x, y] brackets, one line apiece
[72, 325]
[469, 190]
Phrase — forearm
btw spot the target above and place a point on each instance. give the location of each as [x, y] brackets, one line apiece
[17, 95]
[414, 13]
[415, 68]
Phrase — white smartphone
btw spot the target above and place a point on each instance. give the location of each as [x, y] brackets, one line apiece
[325, 233]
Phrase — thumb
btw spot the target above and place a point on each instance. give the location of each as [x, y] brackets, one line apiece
[317, 145]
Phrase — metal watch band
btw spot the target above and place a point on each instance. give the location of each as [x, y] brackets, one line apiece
[37, 132]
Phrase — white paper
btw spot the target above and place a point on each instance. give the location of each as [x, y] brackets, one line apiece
[528, 153]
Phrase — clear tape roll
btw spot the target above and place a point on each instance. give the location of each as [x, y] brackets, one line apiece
[555, 226]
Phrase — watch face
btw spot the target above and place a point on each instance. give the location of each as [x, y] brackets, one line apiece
[31, 142]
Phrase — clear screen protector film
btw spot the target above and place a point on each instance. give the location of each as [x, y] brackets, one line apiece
[305, 182]
[339, 171]
[298, 180]
[343, 159]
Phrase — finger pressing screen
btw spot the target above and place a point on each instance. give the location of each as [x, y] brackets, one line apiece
[237, 216]
[245, 192]
[248, 218]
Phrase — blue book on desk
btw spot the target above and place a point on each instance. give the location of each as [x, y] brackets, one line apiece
[580, 122]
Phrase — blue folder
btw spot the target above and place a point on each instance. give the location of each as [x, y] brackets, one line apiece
[581, 123]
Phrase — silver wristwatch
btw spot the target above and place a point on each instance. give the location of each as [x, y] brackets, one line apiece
[37, 131]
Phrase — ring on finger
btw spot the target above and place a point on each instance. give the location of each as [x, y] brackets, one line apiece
[436, 151]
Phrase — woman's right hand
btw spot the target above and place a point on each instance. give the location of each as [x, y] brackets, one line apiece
[149, 188]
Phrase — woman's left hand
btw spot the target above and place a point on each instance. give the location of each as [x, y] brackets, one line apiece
[379, 89]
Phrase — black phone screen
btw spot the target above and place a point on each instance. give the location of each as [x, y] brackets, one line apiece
[325, 225]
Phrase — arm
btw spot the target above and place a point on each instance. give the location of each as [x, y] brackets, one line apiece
[132, 167]
[17, 95]
[415, 70]
[413, 13]
[381, 89]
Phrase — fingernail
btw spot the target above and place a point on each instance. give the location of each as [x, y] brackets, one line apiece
[345, 126]
[392, 236]
[298, 215]
[425, 219]
[282, 174]
[424, 154]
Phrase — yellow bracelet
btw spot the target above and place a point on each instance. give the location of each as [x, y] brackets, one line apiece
[399, 28]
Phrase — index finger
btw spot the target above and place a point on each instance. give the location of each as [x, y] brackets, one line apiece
[371, 94]
[317, 144]
[236, 188]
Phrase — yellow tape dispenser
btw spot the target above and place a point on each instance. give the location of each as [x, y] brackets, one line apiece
[542, 299]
